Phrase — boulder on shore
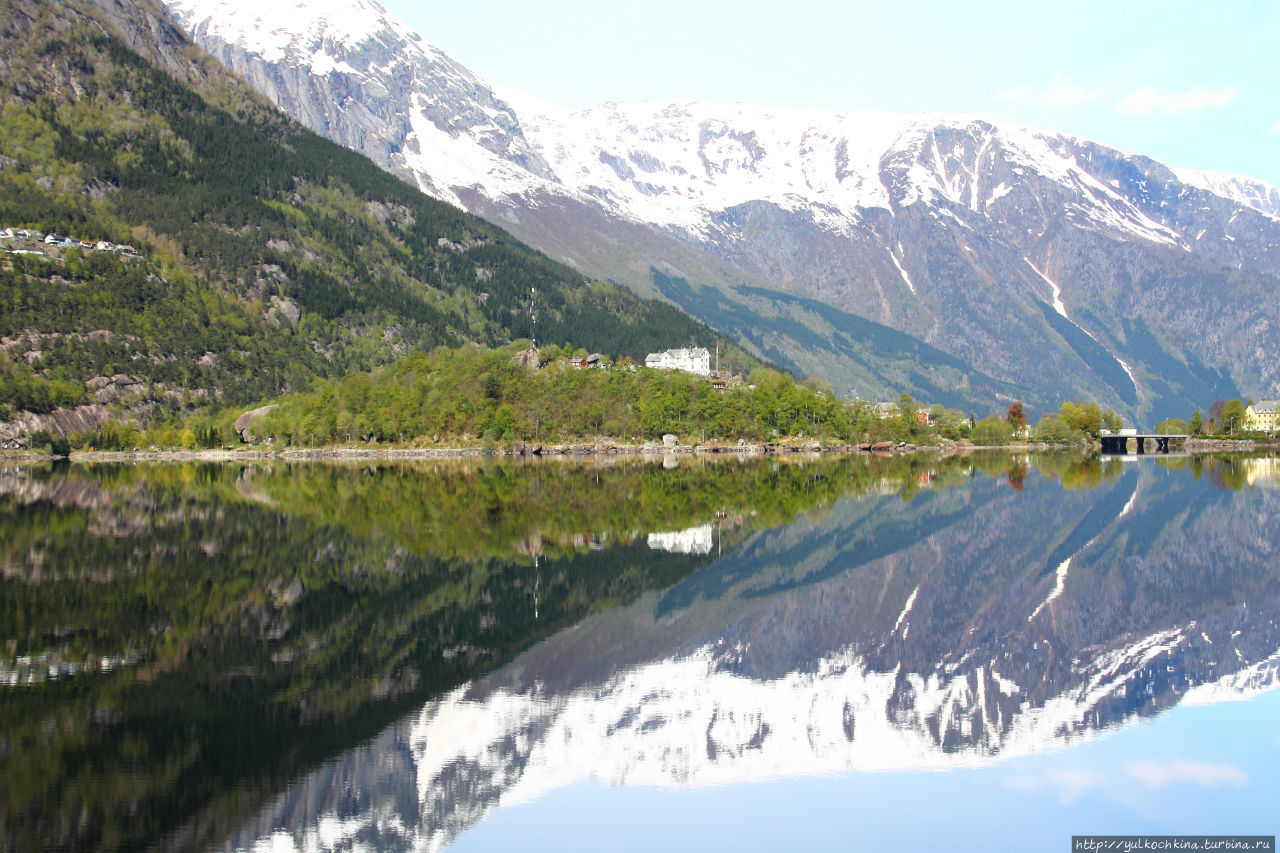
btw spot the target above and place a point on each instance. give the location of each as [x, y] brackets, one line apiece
[244, 424]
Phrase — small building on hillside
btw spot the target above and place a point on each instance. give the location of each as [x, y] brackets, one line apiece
[923, 417]
[884, 411]
[1262, 416]
[582, 362]
[696, 360]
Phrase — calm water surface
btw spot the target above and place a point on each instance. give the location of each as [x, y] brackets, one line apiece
[993, 652]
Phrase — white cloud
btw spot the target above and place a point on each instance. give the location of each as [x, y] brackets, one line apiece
[1059, 92]
[1071, 784]
[1274, 130]
[1148, 100]
[1067, 784]
[1157, 774]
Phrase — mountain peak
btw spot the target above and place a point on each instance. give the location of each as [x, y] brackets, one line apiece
[292, 30]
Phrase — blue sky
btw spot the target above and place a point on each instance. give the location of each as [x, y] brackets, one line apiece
[1189, 83]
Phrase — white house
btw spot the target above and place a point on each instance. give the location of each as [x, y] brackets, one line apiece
[691, 360]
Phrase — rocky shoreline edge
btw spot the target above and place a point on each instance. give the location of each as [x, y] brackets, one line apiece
[586, 450]
[532, 451]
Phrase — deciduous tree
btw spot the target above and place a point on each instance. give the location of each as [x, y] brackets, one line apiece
[1016, 417]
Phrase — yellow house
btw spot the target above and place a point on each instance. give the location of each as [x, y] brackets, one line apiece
[1262, 416]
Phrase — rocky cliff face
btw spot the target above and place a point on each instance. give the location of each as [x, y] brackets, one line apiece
[1054, 264]
[61, 421]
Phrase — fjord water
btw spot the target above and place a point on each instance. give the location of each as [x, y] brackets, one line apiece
[918, 652]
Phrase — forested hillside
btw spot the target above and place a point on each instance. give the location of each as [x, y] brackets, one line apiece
[267, 256]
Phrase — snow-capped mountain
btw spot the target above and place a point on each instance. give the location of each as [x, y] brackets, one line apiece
[353, 73]
[1055, 266]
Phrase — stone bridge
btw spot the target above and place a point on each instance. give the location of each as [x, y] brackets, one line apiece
[1116, 444]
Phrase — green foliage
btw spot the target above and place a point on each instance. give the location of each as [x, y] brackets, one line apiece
[208, 435]
[1053, 429]
[1077, 422]
[1083, 417]
[1173, 426]
[114, 436]
[473, 392]
[1111, 420]
[1232, 417]
[56, 444]
[990, 431]
[22, 388]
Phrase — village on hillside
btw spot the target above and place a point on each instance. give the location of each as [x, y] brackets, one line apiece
[695, 360]
[698, 361]
[23, 241]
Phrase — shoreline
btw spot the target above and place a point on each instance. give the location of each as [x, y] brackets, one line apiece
[582, 451]
[589, 450]
[531, 452]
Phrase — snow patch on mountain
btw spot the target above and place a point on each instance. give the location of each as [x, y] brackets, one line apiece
[673, 162]
[1238, 686]
[906, 608]
[445, 162]
[902, 272]
[289, 31]
[1250, 192]
[1056, 292]
[1059, 584]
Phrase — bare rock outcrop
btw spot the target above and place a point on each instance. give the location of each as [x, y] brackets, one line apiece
[244, 423]
[60, 421]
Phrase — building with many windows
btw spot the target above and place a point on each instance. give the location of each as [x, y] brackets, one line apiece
[691, 360]
[1262, 416]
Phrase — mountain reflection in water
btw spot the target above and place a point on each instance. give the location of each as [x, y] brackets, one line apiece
[312, 656]
[980, 619]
